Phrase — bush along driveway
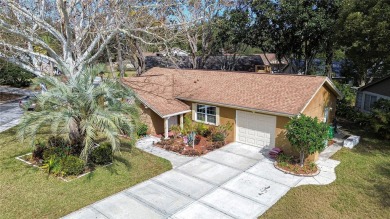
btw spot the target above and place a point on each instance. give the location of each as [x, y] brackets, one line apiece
[361, 190]
[236, 181]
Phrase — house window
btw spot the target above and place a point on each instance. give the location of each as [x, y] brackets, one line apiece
[207, 114]
[369, 100]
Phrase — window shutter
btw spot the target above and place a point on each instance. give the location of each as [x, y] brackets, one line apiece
[217, 116]
[193, 111]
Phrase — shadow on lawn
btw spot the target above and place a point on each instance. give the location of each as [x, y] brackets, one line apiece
[370, 143]
[382, 186]
[112, 168]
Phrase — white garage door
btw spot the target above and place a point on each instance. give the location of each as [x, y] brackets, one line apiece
[256, 129]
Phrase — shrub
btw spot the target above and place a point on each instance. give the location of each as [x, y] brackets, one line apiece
[72, 165]
[202, 129]
[14, 76]
[189, 126]
[57, 146]
[380, 118]
[102, 154]
[306, 134]
[52, 165]
[218, 137]
[142, 129]
[282, 157]
[218, 144]
[37, 153]
[219, 133]
[176, 130]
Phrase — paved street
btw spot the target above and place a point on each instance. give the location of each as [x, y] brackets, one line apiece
[9, 115]
[11, 112]
[236, 181]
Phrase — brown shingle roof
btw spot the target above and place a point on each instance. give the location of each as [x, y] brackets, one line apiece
[160, 89]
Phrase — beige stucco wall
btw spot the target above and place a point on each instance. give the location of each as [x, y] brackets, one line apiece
[280, 134]
[323, 98]
[155, 122]
[225, 115]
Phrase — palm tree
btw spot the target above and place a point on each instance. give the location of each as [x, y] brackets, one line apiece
[82, 111]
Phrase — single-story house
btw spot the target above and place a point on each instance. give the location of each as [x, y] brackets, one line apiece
[258, 105]
[370, 93]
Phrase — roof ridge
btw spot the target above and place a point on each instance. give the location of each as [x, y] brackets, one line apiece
[238, 72]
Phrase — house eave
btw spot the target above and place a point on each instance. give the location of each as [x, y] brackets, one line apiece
[237, 107]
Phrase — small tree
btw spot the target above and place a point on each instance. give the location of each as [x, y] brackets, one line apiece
[306, 134]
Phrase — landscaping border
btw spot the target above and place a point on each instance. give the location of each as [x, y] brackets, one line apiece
[59, 177]
[296, 174]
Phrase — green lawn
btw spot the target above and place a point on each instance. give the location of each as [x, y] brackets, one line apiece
[361, 190]
[27, 192]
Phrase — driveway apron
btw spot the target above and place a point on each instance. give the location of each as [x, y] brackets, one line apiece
[236, 181]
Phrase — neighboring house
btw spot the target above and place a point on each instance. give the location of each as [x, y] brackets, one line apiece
[258, 105]
[174, 52]
[271, 64]
[370, 93]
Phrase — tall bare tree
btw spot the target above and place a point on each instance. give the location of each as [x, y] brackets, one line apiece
[81, 29]
[196, 18]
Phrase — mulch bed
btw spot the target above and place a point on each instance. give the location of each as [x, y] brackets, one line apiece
[5, 97]
[202, 146]
[294, 168]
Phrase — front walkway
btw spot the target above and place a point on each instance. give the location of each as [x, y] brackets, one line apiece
[236, 181]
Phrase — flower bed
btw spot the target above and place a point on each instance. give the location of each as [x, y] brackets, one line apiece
[27, 158]
[57, 158]
[291, 165]
[296, 169]
[202, 145]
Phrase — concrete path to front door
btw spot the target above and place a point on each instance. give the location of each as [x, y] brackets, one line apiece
[236, 181]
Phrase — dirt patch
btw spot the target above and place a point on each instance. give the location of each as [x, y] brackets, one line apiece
[5, 97]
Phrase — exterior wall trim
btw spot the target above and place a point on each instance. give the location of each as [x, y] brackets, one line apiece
[176, 114]
[237, 107]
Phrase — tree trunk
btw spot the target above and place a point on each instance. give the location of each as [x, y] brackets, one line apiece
[329, 60]
[302, 158]
[110, 62]
[119, 58]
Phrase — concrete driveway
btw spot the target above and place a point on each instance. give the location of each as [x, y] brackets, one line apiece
[236, 181]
